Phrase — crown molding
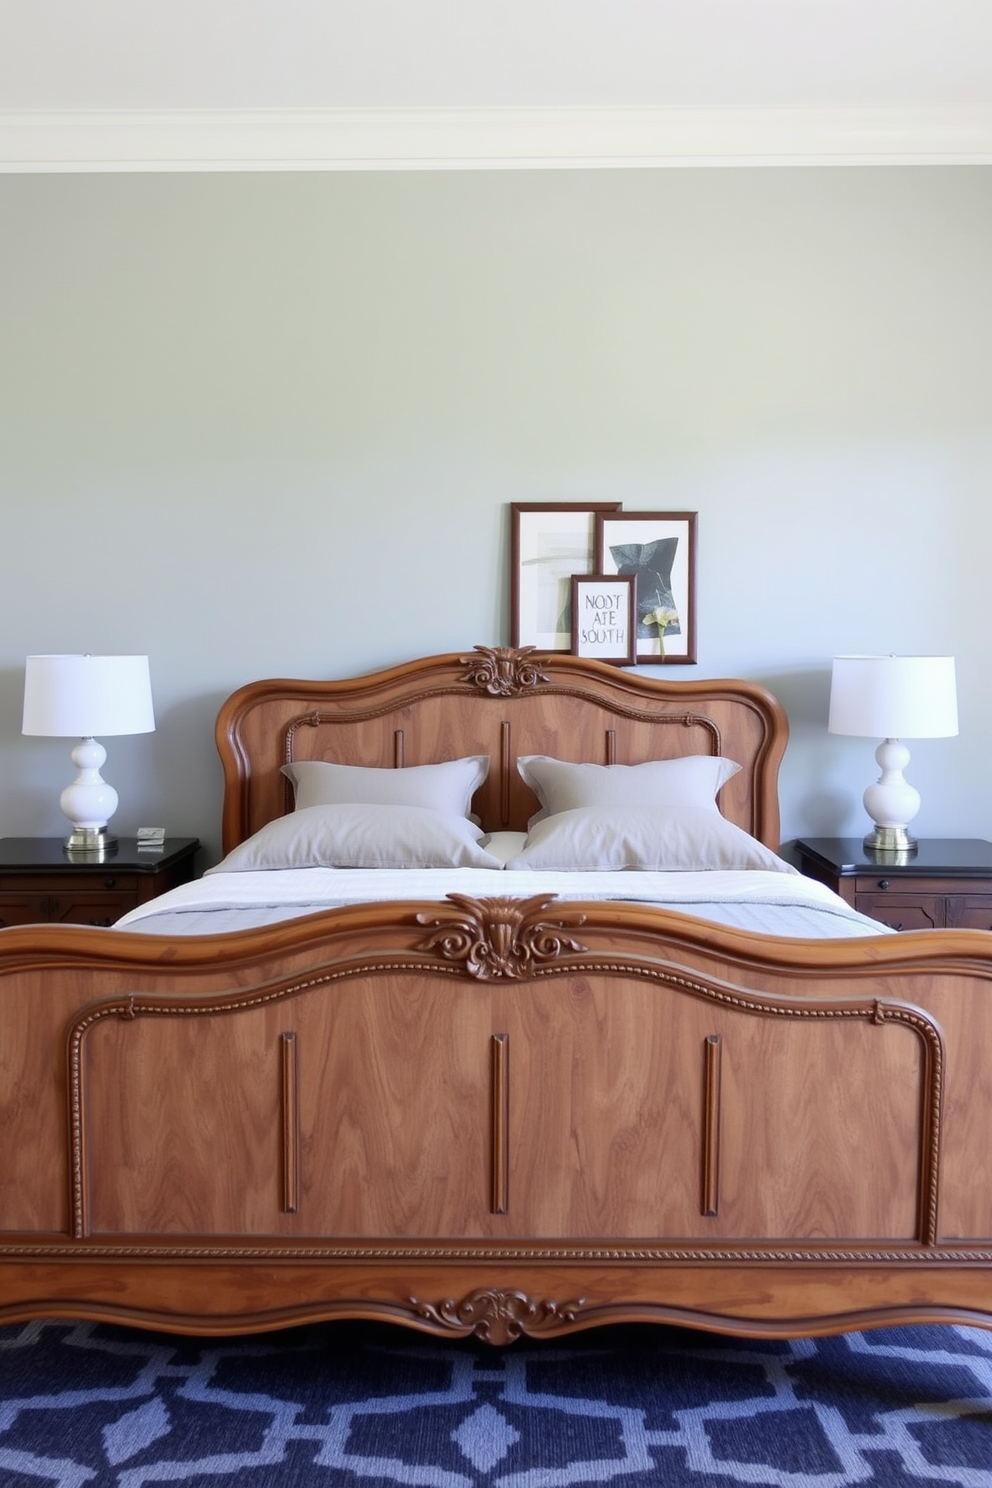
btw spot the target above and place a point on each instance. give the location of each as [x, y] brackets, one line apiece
[485, 138]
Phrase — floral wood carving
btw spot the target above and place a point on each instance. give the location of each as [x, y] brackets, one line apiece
[503, 671]
[495, 938]
[497, 1316]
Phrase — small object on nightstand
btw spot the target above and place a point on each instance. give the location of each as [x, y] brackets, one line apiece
[946, 883]
[151, 839]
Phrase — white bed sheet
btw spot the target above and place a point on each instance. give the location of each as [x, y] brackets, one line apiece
[772, 903]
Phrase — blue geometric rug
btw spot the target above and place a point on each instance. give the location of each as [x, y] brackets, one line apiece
[352, 1405]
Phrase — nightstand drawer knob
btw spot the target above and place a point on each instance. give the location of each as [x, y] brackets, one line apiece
[884, 883]
[110, 883]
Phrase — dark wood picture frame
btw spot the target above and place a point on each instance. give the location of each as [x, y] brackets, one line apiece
[659, 548]
[549, 542]
[604, 617]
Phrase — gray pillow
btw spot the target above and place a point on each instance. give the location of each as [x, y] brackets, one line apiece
[559, 785]
[361, 836]
[654, 838]
[447, 787]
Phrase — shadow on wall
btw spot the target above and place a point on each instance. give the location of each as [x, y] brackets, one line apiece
[185, 783]
[815, 776]
[26, 794]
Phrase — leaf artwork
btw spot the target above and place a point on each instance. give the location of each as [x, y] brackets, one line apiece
[652, 563]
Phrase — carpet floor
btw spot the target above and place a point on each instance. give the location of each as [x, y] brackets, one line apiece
[353, 1405]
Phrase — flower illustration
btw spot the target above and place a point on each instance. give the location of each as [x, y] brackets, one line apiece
[663, 618]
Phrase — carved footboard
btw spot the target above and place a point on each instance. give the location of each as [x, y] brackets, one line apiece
[495, 1117]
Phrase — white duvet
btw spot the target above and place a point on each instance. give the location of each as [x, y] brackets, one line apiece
[772, 903]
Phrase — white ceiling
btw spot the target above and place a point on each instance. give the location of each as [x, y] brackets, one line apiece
[103, 84]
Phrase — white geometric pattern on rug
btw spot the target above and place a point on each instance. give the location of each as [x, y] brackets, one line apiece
[86, 1406]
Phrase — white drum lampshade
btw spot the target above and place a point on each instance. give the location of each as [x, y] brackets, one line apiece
[78, 697]
[893, 698]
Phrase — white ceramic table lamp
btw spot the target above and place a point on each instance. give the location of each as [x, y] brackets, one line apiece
[68, 697]
[893, 698]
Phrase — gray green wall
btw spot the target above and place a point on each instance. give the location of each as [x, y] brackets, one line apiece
[271, 424]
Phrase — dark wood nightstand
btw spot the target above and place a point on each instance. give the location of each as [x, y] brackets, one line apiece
[947, 882]
[38, 883]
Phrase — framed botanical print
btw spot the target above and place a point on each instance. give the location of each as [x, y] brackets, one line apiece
[548, 544]
[659, 550]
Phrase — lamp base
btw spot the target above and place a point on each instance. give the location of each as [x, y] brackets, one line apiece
[891, 802]
[90, 843]
[895, 842]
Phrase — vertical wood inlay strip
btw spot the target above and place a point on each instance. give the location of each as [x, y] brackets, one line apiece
[711, 1125]
[499, 1059]
[399, 748]
[505, 766]
[611, 746]
[290, 1124]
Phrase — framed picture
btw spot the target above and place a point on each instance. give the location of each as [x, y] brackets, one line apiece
[659, 549]
[604, 617]
[548, 544]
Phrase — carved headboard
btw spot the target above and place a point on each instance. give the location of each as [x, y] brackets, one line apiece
[504, 703]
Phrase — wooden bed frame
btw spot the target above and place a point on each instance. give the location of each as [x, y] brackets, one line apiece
[496, 1116]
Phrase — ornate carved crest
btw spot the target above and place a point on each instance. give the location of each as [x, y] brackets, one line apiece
[497, 937]
[498, 1316]
[503, 671]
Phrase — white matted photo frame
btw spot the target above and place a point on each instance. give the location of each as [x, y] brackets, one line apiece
[659, 550]
[548, 544]
[604, 617]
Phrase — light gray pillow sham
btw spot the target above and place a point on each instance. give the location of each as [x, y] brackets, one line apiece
[358, 835]
[673, 839]
[559, 785]
[447, 787]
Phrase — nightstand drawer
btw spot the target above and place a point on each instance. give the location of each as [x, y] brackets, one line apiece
[969, 911]
[907, 911]
[57, 885]
[902, 911]
[73, 908]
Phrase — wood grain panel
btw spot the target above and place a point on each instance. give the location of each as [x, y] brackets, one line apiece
[199, 1122]
[819, 1127]
[407, 1125]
